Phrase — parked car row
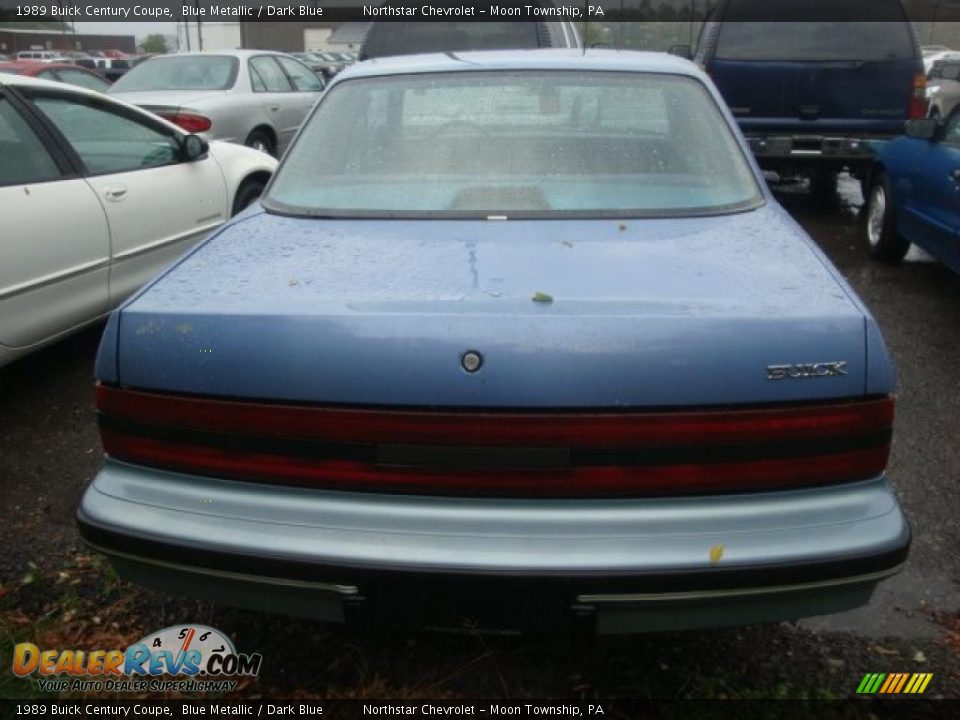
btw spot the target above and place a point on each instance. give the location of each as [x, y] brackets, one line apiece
[111, 64]
[376, 380]
[401, 398]
[59, 72]
[256, 98]
[820, 97]
[56, 55]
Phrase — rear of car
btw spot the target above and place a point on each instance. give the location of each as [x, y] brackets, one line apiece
[187, 90]
[251, 97]
[519, 336]
[811, 81]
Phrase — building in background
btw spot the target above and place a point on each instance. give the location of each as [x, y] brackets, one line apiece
[283, 36]
[209, 36]
[288, 36]
[14, 40]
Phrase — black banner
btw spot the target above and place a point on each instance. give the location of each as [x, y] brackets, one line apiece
[497, 709]
[475, 10]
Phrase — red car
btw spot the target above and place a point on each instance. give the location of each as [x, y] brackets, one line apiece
[61, 72]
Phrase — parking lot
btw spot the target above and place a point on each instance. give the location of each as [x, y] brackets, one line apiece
[56, 591]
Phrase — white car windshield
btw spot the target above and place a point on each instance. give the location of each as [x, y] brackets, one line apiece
[517, 143]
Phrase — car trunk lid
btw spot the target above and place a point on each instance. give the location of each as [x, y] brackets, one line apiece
[166, 101]
[564, 314]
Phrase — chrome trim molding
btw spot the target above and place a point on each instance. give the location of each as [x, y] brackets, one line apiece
[342, 590]
[189, 234]
[708, 594]
[54, 278]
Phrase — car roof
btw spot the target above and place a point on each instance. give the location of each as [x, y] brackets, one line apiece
[543, 59]
[34, 65]
[28, 81]
[214, 53]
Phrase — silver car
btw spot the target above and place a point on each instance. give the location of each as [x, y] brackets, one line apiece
[944, 86]
[256, 98]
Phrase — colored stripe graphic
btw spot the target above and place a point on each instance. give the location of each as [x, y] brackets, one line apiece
[918, 683]
[900, 684]
[894, 683]
[912, 684]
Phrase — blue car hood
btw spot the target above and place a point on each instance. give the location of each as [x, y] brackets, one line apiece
[571, 313]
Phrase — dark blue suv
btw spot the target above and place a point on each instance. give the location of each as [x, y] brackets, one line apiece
[811, 81]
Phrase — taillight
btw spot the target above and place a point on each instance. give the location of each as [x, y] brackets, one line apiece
[546, 454]
[918, 101]
[191, 122]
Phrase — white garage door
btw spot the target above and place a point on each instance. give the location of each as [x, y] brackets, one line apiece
[316, 38]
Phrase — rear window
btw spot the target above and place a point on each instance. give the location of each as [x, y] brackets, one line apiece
[519, 144]
[814, 41]
[803, 30]
[188, 72]
[409, 38]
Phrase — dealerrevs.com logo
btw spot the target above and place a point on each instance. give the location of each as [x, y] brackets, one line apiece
[183, 652]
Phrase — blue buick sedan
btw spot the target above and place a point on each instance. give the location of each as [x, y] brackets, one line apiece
[514, 337]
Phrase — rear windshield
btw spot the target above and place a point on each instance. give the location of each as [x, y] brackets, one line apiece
[516, 144]
[408, 38]
[188, 72]
[814, 41]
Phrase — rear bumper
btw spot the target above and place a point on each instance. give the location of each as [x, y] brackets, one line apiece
[811, 147]
[617, 566]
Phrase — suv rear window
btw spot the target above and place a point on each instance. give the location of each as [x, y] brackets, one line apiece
[409, 38]
[753, 30]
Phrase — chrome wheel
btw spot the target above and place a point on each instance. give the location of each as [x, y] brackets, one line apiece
[876, 215]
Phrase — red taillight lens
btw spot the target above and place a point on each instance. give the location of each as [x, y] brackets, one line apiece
[918, 101]
[191, 122]
[508, 453]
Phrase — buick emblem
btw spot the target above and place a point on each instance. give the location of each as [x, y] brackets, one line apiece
[471, 361]
[807, 370]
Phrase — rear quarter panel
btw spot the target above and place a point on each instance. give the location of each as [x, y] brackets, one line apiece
[238, 163]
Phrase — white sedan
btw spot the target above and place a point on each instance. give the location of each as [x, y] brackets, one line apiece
[96, 197]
